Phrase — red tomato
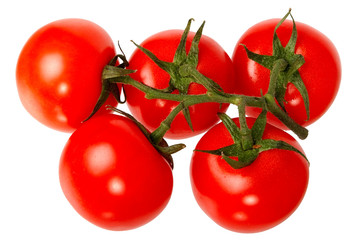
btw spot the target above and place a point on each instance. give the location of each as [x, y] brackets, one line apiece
[321, 72]
[112, 175]
[254, 198]
[214, 63]
[59, 72]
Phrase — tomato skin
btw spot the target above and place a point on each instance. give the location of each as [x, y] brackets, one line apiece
[321, 72]
[59, 72]
[254, 198]
[112, 175]
[213, 63]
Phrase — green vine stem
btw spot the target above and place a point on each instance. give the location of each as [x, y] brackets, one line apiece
[212, 95]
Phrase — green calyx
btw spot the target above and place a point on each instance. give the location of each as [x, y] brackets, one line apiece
[290, 62]
[111, 72]
[248, 143]
[162, 147]
[182, 69]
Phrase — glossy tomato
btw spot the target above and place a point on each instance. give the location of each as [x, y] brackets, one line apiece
[59, 72]
[112, 175]
[254, 198]
[213, 63]
[321, 72]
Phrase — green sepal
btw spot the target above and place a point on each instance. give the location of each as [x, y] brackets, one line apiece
[244, 159]
[167, 151]
[269, 144]
[232, 128]
[189, 71]
[181, 57]
[278, 49]
[111, 72]
[246, 155]
[290, 47]
[290, 74]
[109, 86]
[192, 57]
[230, 150]
[181, 54]
[295, 62]
[266, 61]
[162, 64]
[297, 81]
[162, 147]
[259, 126]
[187, 116]
[182, 69]
[172, 149]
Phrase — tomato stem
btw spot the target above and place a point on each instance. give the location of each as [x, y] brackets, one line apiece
[278, 67]
[213, 95]
[245, 132]
[300, 131]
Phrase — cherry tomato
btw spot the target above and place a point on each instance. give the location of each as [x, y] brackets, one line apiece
[112, 175]
[213, 63]
[321, 72]
[59, 72]
[254, 198]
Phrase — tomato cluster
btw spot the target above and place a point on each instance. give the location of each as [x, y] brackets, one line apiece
[247, 173]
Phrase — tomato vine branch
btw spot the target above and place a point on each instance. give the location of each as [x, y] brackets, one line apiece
[212, 95]
[248, 143]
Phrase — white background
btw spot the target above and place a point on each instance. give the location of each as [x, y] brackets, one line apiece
[32, 205]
